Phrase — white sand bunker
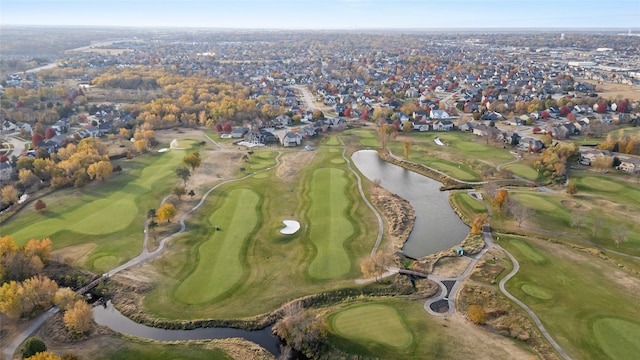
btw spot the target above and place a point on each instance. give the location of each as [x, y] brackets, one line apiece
[290, 227]
[163, 150]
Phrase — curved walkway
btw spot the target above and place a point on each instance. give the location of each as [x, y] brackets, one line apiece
[364, 198]
[144, 257]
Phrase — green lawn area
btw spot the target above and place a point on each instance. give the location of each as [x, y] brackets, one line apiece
[337, 230]
[109, 214]
[588, 305]
[368, 137]
[372, 323]
[401, 329]
[331, 225]
[219, 265]
[524, 171]
[469, 206]
[141, 350]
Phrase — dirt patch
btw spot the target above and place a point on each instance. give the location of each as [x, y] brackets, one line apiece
[291, 163]
[613, 91]
[74, 255]
[450, 266]
[574, 205]
[485, 344]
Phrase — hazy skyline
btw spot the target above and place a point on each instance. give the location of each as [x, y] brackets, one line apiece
[325, 14]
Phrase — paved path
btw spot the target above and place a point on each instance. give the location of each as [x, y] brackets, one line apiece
[364, 198]
[10, 349]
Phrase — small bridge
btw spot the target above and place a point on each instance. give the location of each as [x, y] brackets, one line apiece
[83, 290]
[414, 273]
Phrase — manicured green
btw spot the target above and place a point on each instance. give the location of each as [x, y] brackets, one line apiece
[337, 231]
[219, 267]
[108, 213]
[576, 296]
[331, 225]
[368, 137]
[468, 206]
[618, 337]
[524, 171]
[372, 323]
[400, 329]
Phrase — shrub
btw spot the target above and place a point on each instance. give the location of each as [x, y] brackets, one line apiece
[40, 205]
[32, 346]
[476, 314]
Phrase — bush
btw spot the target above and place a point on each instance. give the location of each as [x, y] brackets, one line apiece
[40, 205]
[32, 346]
[476, 314]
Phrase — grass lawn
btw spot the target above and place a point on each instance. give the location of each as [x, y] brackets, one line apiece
[372, 323]
[469, 206]
[337, 230]
[580, 298]
[368, 137]
[331, 225]
[108, 213]
[603, 211]
[142, 350]
[219, 264]
[524, 171]
[400, 329]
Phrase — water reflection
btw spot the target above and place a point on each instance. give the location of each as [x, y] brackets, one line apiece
[109, 316]
[437, 227]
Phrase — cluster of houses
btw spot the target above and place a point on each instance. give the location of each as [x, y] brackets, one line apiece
[282, 132]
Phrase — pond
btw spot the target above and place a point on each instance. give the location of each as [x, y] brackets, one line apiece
[437, 227]
[110, 317]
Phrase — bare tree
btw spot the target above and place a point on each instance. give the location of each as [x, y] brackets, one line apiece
[598, 224]
[576, 219]
[519, 211]
[620, 234]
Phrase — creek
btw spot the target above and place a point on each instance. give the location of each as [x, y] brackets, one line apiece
[107, 315]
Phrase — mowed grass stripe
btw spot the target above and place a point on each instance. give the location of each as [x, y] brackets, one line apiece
[618, 337]
[219, 267]
[330, 225]
[114, 210]
[372, 323]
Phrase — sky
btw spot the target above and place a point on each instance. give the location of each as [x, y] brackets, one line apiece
[326, 14]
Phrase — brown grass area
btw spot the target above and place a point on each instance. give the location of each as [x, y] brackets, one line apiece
[485, 344]
[74, 255]
[292, 162]
[450, 266]
[613, 91]
[502, 317]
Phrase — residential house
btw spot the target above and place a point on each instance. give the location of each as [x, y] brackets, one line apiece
[629, 164]
[9, 126]
[239, 132]
[466, 125]
[481, 130]
[420, 126]
[282, 120]
[439, 114]
[531, 144]
[6, 169]
[442, 125]
[291, 139]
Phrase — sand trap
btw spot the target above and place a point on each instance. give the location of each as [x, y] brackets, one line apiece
[438, 141]
[163, 150]
[290, 227]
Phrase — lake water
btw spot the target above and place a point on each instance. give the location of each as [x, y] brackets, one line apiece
[109, 316]
[437, 227]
